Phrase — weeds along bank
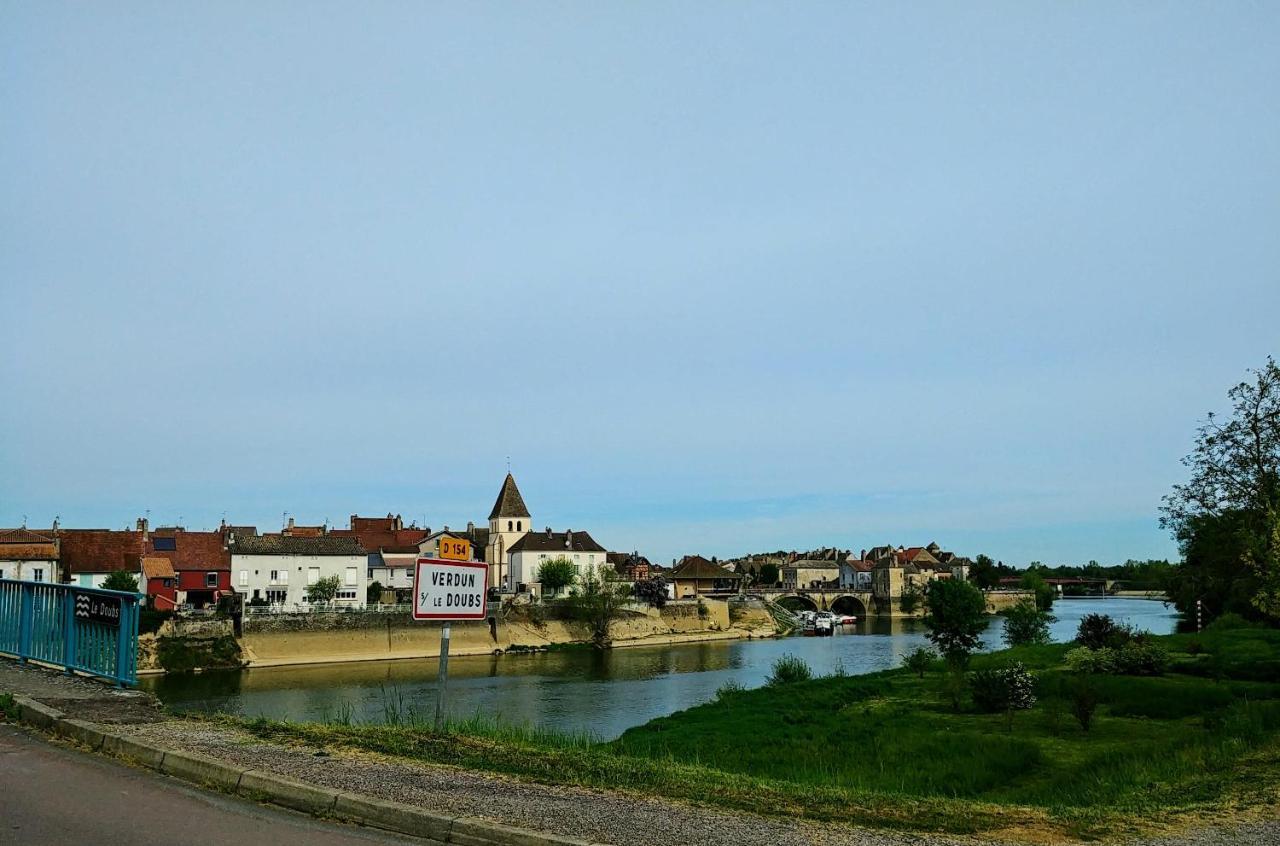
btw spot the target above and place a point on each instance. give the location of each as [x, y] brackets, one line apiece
[284, 639]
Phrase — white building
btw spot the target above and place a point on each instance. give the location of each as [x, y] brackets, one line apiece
[277, 570]
[856, 574]
[535, 548]
[28, 556]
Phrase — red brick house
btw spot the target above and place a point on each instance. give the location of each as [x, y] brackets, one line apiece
[160, 582]
[200, 562]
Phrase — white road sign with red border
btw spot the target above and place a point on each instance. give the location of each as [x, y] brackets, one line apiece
[450, 590]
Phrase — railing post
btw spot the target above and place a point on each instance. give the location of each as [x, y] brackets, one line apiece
[123, 640]
[68, 630]
[25, 622]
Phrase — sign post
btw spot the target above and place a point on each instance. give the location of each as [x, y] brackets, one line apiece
[447, 590]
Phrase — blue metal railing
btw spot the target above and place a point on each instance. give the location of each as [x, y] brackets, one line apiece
[86, 629]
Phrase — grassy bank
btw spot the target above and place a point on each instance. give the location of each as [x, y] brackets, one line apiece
[889, 750]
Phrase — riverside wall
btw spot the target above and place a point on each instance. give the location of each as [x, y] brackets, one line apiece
[287, 639]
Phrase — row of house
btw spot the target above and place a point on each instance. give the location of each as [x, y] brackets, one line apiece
[175, 566]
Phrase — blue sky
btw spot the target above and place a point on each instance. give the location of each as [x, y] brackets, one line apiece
[717, 277]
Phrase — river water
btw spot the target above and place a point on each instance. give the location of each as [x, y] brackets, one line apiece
[583, 690]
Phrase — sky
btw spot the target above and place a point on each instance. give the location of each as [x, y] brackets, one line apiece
[719, 277]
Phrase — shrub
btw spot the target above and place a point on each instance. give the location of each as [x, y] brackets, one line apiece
[324, 591]
[1141, 658]
[8, 707]
[789, 669]
[557, 574]
[919, 660]
[1084, 701]
[1085, 660]
[373, 593]
[1096, 631]
[1194, 647]
[702, 609]
[1025, 623]
[150, 620]
[1231, 621]
[956, 615]
[729, 688]
[121, 580]
[1009, 688]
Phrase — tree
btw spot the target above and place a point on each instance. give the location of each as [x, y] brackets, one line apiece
[557, 574]
[373, 593]
[323, 591]
[652, 591]
[769, 574]
[1235, 474]
[121, 580]
[598, 602]
[1033, 581]
[910, 599]
[955, 615]
[919, 660]
[983, 573]
[1025, 623]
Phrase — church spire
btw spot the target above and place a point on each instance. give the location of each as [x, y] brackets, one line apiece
[509, 502]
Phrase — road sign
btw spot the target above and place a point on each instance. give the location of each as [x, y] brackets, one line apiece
[450, 590]
[98, 609]
[455, 549]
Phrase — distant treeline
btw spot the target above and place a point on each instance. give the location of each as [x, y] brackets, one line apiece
[1152, 574]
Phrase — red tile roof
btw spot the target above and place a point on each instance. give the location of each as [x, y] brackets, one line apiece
[374, 538]
[194, 550]
[100, 550]
[155, 567]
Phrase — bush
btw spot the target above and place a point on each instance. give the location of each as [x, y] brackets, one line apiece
[1231, 621]
[1085, 660]
[1024, 623]
[1141, 658]
[919, 660]
[728, 689]
[150, 620]
[789, 669]
[557, 574]
[1096, 631]
[1009, 688]
[121, 580]
[1084, 701]
[373, 593]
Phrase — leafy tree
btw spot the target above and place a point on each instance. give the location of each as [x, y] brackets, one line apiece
[983, 572]
[373, 593]
[919, 660]
[1084, 701]
[955, 615]
[1235, 474]
[557, 574]
[651, 591]
[769, 574]
[1097, 631]
[598, 602]
[1033, 580]
[1025, 623]
[910, 599]
[324, 590]
[121, 580]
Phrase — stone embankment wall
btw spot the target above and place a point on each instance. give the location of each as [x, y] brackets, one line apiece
[1003, 600]
[282, 639]
[189, 644]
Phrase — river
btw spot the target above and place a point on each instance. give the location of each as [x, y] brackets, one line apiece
[583, 690]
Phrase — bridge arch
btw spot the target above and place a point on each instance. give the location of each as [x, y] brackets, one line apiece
[850, 604]
[797, 602]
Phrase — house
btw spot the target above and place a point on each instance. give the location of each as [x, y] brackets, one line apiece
[392, 550]
[201, 565]
[810, 573]
[855, 574]
[695, 575]
[277, 569]
[631, 566]
[159, 582]
[509, 521]
[29, 556]
[533, 549]
[88, 556]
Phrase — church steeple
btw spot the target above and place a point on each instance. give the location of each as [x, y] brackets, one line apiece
[509, 502]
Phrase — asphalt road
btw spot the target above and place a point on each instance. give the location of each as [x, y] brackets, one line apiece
[54, 795]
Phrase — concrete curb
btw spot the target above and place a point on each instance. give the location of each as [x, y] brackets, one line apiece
[433, 828]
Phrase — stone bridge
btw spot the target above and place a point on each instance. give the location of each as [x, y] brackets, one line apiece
[859, 603]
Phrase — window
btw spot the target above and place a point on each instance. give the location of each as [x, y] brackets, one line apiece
[346, 594]
[277, 597]
[351, 575]
[313, 575]
[508, 525]
[211, 580]
[519, 525]
[244, 578]
[279, 577]
[1, 572]
[37, 575]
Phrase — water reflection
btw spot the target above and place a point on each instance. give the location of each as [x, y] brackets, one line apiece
[583, 689]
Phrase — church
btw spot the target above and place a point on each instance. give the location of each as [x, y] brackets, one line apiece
[515, 552]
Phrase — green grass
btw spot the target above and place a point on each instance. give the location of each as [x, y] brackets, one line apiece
[8, 708]
[887, 749]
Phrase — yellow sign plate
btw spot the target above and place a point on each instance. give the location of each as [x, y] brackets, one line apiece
[455, 549]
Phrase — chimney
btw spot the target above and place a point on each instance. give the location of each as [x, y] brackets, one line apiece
[548, 532]
[290, 525]
[142, 526]
[471, 527]
[352, 524]
[55, 525]
[399, 523]
[568, 539]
